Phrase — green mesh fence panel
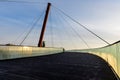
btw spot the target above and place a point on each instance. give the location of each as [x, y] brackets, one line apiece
[12, 52]
[110, 53]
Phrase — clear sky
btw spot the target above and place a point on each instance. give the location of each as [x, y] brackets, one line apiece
[100, 16]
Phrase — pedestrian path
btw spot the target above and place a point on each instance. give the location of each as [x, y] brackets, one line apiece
[62, 66]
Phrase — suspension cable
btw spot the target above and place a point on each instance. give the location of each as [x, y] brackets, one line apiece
[64, 27]
[82, 26]
[76, 32]
[31, 29]
[51, 29]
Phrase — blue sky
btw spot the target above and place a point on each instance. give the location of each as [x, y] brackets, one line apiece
[100, 16]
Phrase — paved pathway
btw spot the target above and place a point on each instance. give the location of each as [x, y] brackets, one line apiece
[63, 66]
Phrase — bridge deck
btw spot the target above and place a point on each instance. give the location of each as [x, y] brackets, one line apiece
[63, 66]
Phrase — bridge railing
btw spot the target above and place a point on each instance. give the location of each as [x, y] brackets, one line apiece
[110, 54]
[12, 52]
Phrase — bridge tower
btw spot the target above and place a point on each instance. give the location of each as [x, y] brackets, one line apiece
[44, 25]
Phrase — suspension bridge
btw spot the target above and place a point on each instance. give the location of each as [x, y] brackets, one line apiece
[53, 60]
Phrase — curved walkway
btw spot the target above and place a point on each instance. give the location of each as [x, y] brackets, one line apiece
[62, 66]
